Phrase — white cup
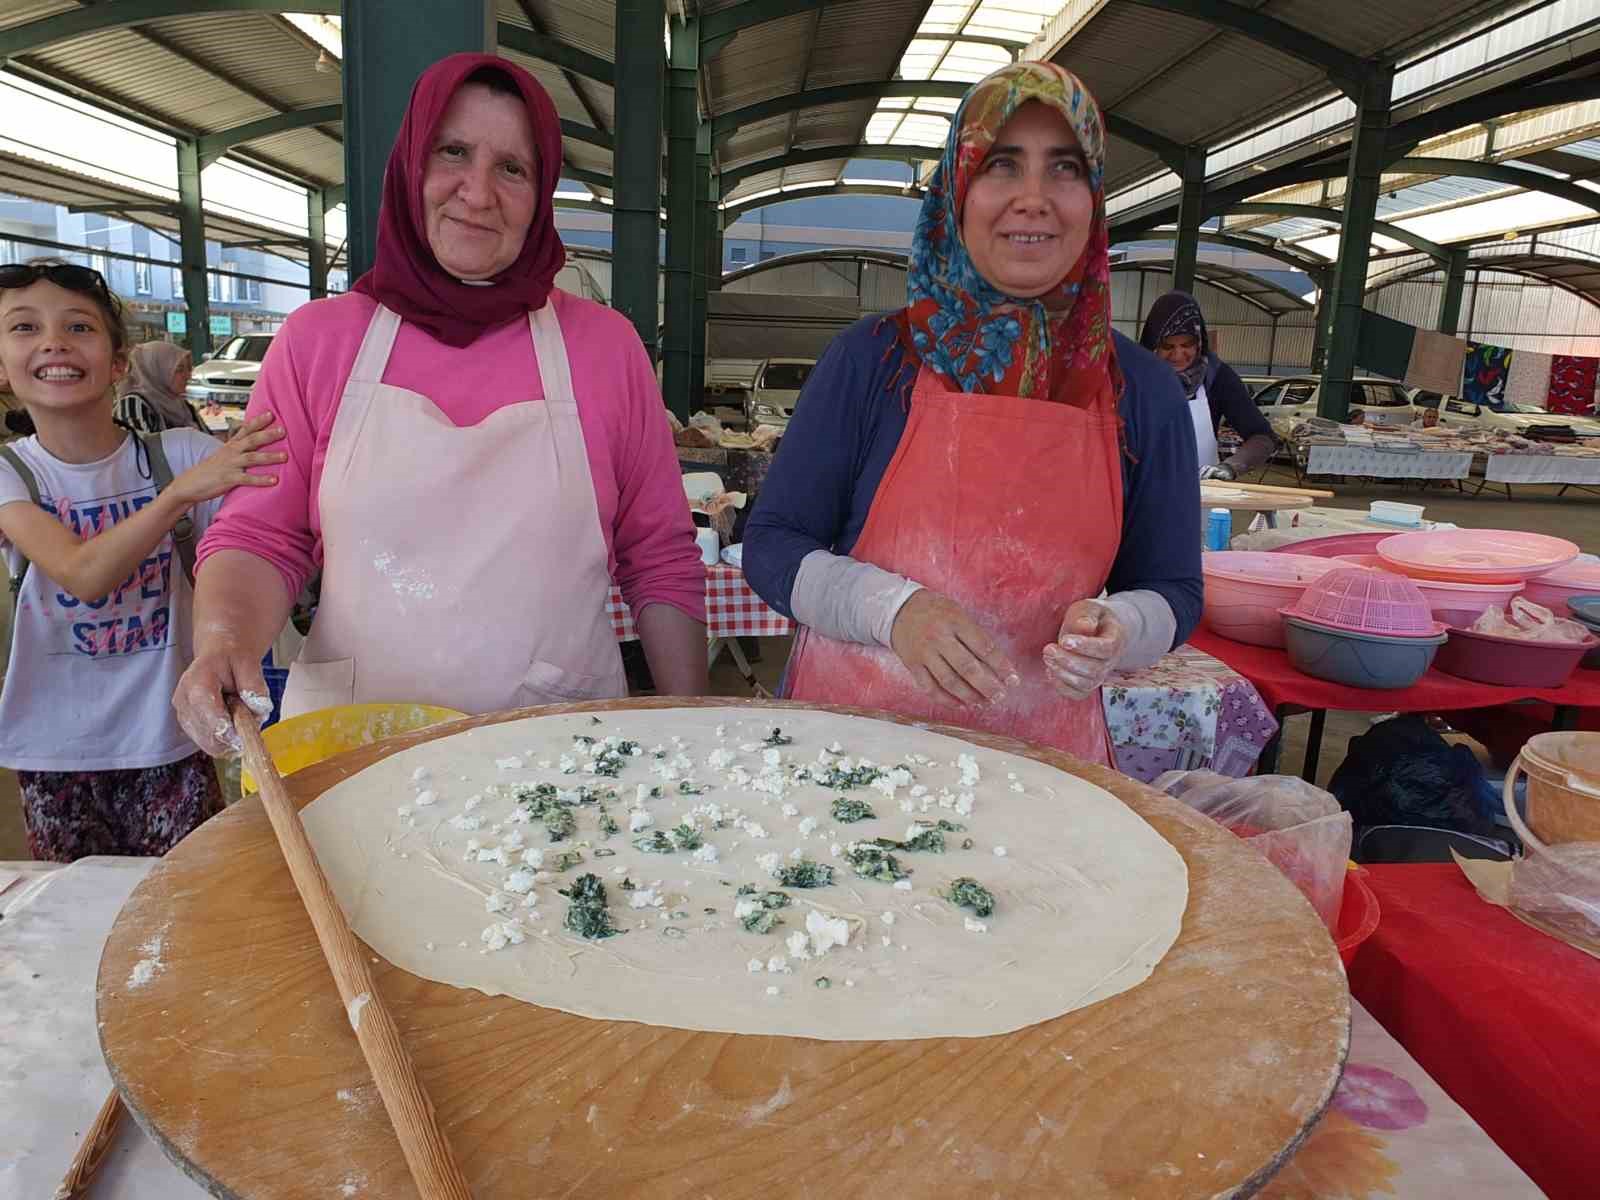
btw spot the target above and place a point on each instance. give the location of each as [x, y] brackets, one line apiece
[710, 545]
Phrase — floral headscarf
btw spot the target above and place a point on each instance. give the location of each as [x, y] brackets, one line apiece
[1054, 347]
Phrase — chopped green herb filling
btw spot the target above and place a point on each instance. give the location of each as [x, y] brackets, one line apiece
[567, 859]
[777, 738]
[686, 836]
[969, 893]
[871, 861]
[848, 810]
[805, 874]
[689, 788]
[608, 825]
[761, 920]
[655, 842]
[840, 780]
[586, 910]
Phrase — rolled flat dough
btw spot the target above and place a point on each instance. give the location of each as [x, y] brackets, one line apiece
[1088, 898]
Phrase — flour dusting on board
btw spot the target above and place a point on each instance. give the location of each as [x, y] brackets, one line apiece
[356, 1006]
[146, 968]
[353, 1185]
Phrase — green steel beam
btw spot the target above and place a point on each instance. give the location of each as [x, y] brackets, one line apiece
[588, 178]
[1335, 216]
[579, 203]
[848, 93]
[32, 36]
[1191, 205]
[1536, 181]
[717, 27]
[898, 153]
[316, 243]
[636, 208]
[732, 212]
[1317, 268]
[1406, 135]
[683, 121]
[167, 210]
[192, 249]
[333, 197]
[214, 145]
[708, 249]
[387, 44]
[585, 133]
[1455, 283]
[1344, 68]
[551, 50]
[1368, 151]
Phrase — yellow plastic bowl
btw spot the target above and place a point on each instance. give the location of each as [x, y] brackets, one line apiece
[311, 737]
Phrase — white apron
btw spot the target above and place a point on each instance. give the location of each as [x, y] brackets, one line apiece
[461, 566]
[1205, 435]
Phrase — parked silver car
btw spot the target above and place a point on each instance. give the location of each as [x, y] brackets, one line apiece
[229, 374]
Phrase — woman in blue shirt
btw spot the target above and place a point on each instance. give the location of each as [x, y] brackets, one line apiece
[964, 478]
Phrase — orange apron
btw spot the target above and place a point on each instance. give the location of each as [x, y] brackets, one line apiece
[1011, 507]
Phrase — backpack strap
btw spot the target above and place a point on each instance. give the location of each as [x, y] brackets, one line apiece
[161, 474]
[31, 482]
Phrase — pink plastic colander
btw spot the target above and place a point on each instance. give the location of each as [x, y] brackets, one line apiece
[1359, 600]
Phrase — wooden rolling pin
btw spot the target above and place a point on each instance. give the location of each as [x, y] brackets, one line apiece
[1269, 489]
[93, 1151]
[433, 1167]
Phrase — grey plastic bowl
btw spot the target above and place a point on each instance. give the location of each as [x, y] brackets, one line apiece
[1363, 660]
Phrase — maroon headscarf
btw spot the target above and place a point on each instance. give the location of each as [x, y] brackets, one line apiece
[405, 276]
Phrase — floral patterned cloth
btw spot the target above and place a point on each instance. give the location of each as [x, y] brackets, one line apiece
[72, 814]
[959, 325]
[1189, 710]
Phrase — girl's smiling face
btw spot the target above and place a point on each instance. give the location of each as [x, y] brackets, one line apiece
[56, 348]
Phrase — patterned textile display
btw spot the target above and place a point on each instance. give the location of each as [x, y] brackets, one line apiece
[1436, 362]
[1529, 381]
[1572, 384]
[1483, 375]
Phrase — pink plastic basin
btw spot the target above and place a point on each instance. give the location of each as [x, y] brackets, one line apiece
[1476, 555]
[1336, 545]
[1246, 588]
[1358, 600]
[1510, 662]
[1580, 577]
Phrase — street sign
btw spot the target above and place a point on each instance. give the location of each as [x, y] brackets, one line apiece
[221, 326]
[177, 322]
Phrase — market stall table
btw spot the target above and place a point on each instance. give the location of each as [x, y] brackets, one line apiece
[1390, 1129]
[1373, 463]
[1504, 1017]
[1570, 470]
[1287, 691]
[733, 611]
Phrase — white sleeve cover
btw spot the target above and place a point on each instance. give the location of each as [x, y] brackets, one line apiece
[1151, 626]
[848, 600]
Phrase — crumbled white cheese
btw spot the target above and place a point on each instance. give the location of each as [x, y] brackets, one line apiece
[976, 926]
[919, 791]
[907, 805]
[639, 819]
[1016, 787]
[645, 898]
[420, 774]
[750, 747]
[472, 802]
[471, 852]
[808, 825]
[902, 885]
[425, 798]
[789, 810]
[796, 854]
[1000, 851]
[744, 907]
[888, 918]
[887, 940]
[969, 770]
[500, 935]
[835, 748]
[798, 944]
[498, 902]
[769, 863]
[402, 811]
[706, 854]
[520, 882]
[755, 966]
[778, 965]
[772, 757]
[567, 765]
[719, 760]
[513, 840]
[826, 932]
[466, 821]
[640, 795]
[509, 763]
[545, 764]
[428, 945]
[753, 829]
[494, 854]
[772, 989]
[835, 850]
[682, 762]
[964, 804]
[533, 858]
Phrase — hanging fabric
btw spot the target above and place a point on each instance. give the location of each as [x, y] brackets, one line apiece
[1483, 376]
[1436, 362]
[1572, 384]
[1383, 345]
[1528, 384]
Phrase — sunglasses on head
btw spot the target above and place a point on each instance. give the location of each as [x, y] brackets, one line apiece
[68, 275]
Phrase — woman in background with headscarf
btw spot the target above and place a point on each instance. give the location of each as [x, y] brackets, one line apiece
[151, 396]
[1175, 331]
[965, 477]
[474, 455]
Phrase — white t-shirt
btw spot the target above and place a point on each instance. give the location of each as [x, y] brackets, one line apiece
[1205, 437]
[89, 686]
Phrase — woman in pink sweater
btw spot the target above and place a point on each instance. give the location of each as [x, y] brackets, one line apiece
[474, 456]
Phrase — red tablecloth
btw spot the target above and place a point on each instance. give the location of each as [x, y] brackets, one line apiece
[732, 609]
[1279, 683]
[1505, 1018]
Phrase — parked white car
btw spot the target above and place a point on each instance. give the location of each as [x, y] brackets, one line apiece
[229, 374]
[1518, 419]
[771, 401]
[1290, 401]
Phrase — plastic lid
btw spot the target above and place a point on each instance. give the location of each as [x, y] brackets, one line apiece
[1361, 600]
[1492, 555]
[1583, 571]
[1266, 566]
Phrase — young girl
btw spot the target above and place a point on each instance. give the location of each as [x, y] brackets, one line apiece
[101, 627]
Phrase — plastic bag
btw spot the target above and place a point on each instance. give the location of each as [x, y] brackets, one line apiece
[1299, 828]
[1559, 888]
[1400, 772]
[1528, 622]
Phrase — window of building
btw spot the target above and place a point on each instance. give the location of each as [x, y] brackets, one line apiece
[99, 263]
[177, 281]
[737, 254]
[142, 282]
[250, 290]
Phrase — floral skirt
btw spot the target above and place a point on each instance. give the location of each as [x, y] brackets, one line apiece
[72, 814]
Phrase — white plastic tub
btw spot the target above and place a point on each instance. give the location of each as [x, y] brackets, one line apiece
[1392, 512]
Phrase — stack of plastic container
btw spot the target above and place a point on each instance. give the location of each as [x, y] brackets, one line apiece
[1362, 628]
[1246, 589]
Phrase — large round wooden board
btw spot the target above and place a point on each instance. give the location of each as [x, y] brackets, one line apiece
[238, 1057]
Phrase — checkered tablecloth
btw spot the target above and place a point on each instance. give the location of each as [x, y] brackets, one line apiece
[732, 609]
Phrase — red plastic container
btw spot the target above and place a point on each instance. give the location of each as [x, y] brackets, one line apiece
[1510, 662]
[1358, 914]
